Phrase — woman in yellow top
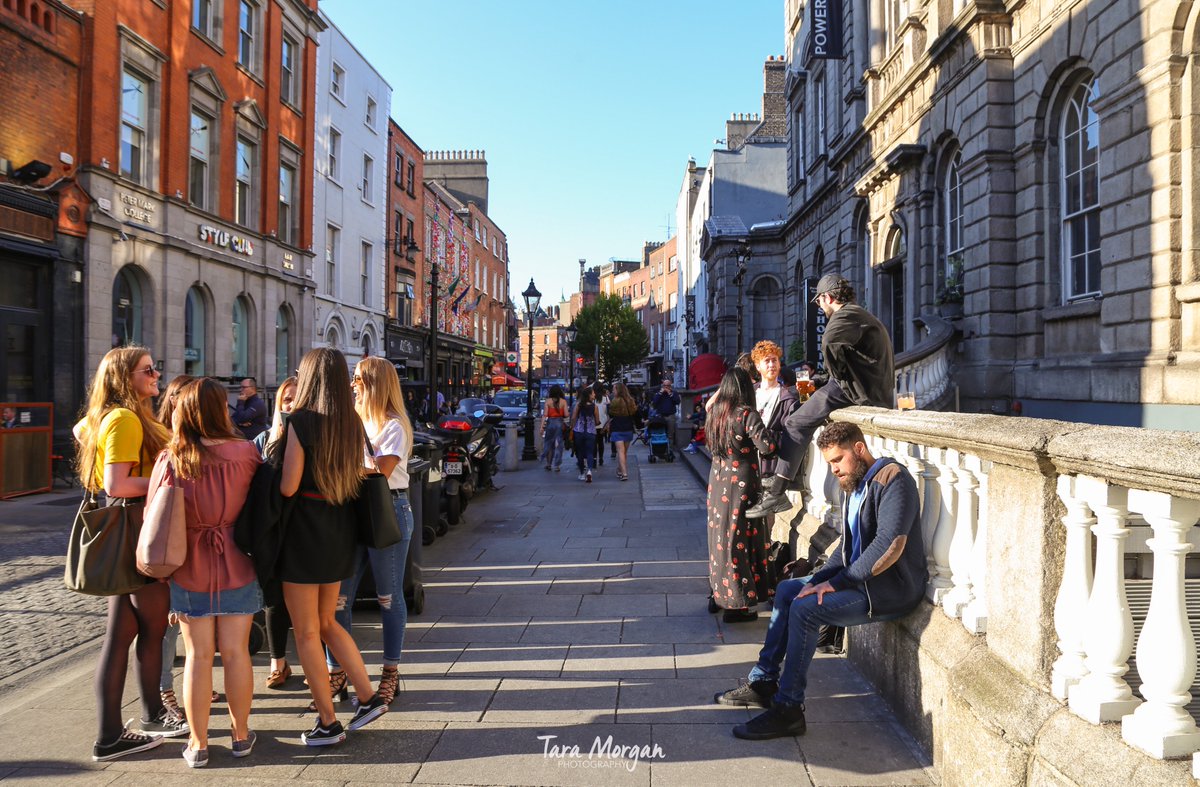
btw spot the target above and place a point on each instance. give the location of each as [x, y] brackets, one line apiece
[118, 441]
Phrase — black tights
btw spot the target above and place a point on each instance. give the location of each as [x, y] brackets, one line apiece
[141, 615]
[278, 623]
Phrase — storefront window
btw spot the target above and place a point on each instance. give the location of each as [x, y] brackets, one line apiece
[126, 310]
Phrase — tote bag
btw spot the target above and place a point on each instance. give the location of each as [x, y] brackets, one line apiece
[162, 543]
[378, 526]
[100, 552]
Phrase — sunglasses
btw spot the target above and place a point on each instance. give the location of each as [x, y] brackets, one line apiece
[358, 377]
[149, 371]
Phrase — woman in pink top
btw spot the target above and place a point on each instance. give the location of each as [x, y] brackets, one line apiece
[214, 593]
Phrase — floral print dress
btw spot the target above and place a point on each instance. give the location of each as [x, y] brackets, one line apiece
[737, 547]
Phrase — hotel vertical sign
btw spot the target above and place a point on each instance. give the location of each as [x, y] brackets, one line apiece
[825, 38]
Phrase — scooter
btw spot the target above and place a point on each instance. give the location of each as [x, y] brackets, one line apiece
[466, 435]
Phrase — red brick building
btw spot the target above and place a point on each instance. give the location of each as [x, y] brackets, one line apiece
[407, 341]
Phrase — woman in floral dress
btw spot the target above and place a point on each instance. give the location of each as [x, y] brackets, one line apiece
[737, 546]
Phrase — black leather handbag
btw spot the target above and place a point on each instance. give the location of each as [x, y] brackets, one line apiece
[100, 553]
[378, 526]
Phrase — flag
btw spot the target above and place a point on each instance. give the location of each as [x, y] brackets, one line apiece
[825, 37]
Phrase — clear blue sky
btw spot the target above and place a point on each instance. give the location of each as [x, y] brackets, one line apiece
[588, 111]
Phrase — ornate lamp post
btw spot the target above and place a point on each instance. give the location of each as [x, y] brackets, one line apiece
[743, 259]
[571, 332]
[532, 299]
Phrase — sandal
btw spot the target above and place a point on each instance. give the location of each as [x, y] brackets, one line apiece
[389, 683]
[337, 689]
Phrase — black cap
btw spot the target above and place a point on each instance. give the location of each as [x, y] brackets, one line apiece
[828, 283]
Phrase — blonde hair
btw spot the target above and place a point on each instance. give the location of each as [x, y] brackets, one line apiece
[203, 414]
[622, 404]
[276, 430]
[380, 397]
[112, 388]
[336, 451]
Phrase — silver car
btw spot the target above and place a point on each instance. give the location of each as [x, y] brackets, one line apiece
[513, 405]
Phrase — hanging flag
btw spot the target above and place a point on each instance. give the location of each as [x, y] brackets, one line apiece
[458, 300]
[825, 37]
[453, 285]
[473, 306]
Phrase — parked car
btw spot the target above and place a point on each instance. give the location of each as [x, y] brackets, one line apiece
[513, 405]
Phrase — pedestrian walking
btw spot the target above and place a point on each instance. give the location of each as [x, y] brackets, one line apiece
[274, 610]
[322, 469]
[214, 593]
[118, 440]
[621, 412]
[600, 394]
[737, 564]
[389, 429]
[583, 430]
[554, 417]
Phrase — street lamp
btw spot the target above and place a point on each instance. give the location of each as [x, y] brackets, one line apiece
[532, 299]
[571, 332]
[743, 257]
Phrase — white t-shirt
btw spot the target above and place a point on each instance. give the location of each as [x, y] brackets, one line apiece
[602, 412]
[766, 399]
[391, 440]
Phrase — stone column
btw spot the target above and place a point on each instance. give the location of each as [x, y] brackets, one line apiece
[942, 521]
[1071, 602]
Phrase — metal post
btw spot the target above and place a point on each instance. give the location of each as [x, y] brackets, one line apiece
[433, 328]
[530, 453]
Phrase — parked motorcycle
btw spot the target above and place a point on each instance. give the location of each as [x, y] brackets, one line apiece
[467, 437]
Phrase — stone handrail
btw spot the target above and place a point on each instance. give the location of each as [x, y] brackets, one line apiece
[1012, 511]
[925, 369]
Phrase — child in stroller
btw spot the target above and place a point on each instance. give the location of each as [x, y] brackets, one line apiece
[659, 440]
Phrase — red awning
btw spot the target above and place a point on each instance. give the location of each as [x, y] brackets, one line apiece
[501, 380]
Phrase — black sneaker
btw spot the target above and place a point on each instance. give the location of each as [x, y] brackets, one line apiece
[739, 615]
[758, 693]
[778, 721]
[368, 712]
[770, 504]
[130, 742]
[320, 735]
[166, 724]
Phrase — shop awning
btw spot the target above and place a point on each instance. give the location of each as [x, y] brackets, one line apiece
[506, 380]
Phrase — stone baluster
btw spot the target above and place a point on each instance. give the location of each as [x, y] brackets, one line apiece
[939, 515]
[1071, 603]
[974, 615]
[1166, 649]
[963, 540]
[817, 469]
[1107, 624]
[909, 455]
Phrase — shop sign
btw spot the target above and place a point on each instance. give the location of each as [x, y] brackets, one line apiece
[137, 208]
[226, 240]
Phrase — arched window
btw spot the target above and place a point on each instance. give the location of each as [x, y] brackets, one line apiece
[890, 305]
[366, 345]
[283, 345]
[126, 309]
[333, 337]
[952, 220]
[1079, 185]
[766, 311]
[897, 247]
[241, 337]
[194, 313]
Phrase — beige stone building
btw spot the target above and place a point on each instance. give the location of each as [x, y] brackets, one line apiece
[1028, 163]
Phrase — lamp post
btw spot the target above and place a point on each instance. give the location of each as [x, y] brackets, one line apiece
[571, 331]
[532, 299]
[743, 257]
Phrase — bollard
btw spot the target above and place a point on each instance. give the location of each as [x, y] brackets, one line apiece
[511, 448]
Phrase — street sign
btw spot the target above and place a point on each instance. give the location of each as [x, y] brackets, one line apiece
[511, 357]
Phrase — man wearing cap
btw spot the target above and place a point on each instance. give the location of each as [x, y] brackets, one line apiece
[858, 358]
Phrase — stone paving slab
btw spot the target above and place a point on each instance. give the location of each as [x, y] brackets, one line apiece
[620, 661]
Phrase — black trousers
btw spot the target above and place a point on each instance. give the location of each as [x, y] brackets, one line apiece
[802, 424]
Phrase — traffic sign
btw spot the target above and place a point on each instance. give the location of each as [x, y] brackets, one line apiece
[512, 357]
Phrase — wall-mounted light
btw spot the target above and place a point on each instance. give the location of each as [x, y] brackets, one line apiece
[30, 173]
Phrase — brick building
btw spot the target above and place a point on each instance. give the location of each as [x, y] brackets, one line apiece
[197, 147]
[42, 208]
[407, 343]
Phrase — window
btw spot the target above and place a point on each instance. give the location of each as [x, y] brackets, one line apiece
[289, 74]
[335, 152]
[819, 114]
[200, 148]
[1080, 193]
[289, 204]
[372, 110]
[412, 170]
[241, 338]
[368, 174]
[408, 232]
[283, 344]
[135, 121]
[398, 174]
[126, 310]
[801, 132]
[333, 237]
[895, 17]
[337, 81]
[368, 252]
[248, 35]
[202, 17]
[194, 313]
[244, 196]
[953, 219]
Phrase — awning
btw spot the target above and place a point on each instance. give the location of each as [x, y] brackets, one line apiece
[505, 380]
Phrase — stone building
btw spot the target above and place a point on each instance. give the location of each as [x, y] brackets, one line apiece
[1028, 166]
[197, 154]
[350, 196]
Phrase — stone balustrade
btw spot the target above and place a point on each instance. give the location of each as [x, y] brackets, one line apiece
[1058, 552]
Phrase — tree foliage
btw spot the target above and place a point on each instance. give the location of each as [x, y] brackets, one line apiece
[615, 328]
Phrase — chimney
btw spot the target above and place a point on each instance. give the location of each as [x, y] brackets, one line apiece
[774, 105]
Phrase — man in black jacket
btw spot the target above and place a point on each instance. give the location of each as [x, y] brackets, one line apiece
[858, 358]
[878, 573]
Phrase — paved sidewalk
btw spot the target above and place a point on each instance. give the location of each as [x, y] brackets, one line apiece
[559, 614]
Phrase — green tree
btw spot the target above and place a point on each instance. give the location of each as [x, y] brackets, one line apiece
[613, 326]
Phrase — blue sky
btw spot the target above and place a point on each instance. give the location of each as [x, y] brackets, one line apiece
[588, 111]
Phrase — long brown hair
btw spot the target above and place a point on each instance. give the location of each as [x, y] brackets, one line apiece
[336, 452]
[112, 388]
[170, 397]
[622, 403]
[202, 410]
[735, 394]
[379, 397]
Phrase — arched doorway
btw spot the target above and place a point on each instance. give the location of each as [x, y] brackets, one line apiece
[127, 312]
[766, 312]
[890, 275]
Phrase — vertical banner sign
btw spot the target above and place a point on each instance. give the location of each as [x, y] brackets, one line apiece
[814, 326]
[825, 38]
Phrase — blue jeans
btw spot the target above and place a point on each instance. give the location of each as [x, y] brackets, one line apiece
[552, 443]
[167, 681]
[387, 565]
[791, 637]
[585, 448]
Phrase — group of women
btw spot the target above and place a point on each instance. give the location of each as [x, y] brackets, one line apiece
[593, 414]
[336, 428]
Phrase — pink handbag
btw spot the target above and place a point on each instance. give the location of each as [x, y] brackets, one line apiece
[162, 544]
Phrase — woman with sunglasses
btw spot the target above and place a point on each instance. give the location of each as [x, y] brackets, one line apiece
[379, 403]
[118, 440]
[323, 470]
[214, 593]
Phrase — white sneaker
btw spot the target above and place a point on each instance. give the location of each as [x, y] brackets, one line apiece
[589, 476]
[584, 477]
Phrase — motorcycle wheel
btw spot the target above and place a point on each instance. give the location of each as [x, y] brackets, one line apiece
[454, 509]
[428, 535]
[416, 604]
[442, 527]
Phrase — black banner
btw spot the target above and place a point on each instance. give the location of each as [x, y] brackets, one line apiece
[825, 38]
[814, 325]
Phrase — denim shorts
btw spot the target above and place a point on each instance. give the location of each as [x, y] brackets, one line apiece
[621, 437]
[246, 600]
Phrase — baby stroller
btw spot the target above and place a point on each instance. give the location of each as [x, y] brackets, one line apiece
[660, 441]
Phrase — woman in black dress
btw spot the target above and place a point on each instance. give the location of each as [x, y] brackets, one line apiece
[323, 469]
[736, 546]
